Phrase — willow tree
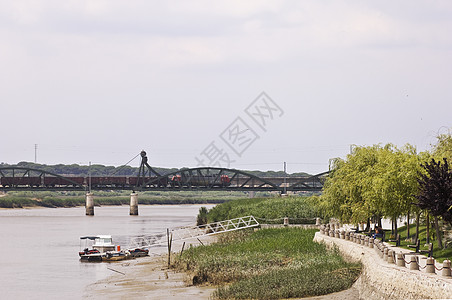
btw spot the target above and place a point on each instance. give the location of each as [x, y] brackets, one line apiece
[395, 183]
[443, 147]
[373, 181]
[345, 189]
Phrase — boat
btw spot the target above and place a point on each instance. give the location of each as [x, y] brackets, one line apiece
[101, 244]
[103, 249]
[116, 255]
[138, 252]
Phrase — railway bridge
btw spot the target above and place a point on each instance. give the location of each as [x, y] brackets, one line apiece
[14, 178]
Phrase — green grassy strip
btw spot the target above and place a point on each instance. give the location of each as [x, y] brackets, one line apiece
[268, 264]
[75, 198]
[297, 209]
[439, 254]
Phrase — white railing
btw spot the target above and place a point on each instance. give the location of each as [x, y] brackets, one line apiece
[191, 232]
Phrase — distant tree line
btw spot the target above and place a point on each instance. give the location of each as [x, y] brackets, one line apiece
[101, 170]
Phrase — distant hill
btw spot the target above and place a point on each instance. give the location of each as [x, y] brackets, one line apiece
[101, 170]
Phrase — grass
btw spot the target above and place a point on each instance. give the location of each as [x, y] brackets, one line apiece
[300, 210]
[439, 254]
[268, 264]
[22, 199]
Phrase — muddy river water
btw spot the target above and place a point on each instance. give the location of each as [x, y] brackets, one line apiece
[39, 247]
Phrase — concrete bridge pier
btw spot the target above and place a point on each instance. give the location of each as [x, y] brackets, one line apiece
[89, 206]
[134, 204]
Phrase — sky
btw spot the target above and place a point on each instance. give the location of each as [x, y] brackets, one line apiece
[240, 84]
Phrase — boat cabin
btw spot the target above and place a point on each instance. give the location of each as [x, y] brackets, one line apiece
[102, 243]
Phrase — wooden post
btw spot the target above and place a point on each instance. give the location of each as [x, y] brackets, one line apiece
[169, 237]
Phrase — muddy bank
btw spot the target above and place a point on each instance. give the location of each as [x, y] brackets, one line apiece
[146, 278]
[149, 278]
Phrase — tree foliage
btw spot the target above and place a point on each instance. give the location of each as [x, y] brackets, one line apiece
[443, 147]
[435, 193]
[372, 181]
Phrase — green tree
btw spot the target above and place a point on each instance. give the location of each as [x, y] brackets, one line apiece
[435, 193]
[373, 181]
[443, 147]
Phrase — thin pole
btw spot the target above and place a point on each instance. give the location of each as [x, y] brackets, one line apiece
[89, 178]
[169, 237]
[36, 153]
[285, 175]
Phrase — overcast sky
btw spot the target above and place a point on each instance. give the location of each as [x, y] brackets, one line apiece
[98, 81]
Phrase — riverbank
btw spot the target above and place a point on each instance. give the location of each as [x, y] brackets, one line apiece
[52, 199]
[149, 278]
[281, 268]
[382, 280]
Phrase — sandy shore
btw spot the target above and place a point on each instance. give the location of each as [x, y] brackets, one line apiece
[148, 278]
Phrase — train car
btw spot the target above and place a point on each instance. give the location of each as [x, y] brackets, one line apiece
[20, 181]
[208, 180]
[162, 182]
[106, 182]
[52, 181]
[119, 181]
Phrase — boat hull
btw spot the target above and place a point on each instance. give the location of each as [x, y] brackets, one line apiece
[91, 257]
[115, 256]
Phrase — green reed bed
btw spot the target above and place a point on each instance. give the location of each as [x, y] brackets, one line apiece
[300, 210]
[268, 264]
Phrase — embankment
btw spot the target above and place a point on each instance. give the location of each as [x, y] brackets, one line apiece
[382, 280]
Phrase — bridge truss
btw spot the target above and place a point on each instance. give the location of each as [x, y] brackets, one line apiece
[148, 179]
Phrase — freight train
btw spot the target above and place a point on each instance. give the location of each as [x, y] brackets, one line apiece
[208, 180]
[94, 181]
[115, 182]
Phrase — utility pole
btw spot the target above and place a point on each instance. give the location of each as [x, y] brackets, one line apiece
[285, 180]
[36, 153]
[89, 178]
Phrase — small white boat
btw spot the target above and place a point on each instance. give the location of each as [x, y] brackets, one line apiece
[101, 244]
[103, 249]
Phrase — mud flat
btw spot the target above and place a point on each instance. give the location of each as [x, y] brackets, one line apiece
[148, 278]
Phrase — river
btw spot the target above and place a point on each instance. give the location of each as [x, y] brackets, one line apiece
[39, 247]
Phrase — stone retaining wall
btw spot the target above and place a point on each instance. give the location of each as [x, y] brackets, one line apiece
[382, 280]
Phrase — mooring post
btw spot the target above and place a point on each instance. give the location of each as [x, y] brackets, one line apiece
[391, 257]
[400, 260]
[286, 221]
[446, 268]
[89, 204]
[134, 204]
[413, 263]
[430, 265]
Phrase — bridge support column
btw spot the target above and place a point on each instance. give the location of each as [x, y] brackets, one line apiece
[89, 206]
[251, 194]
[134, 204]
